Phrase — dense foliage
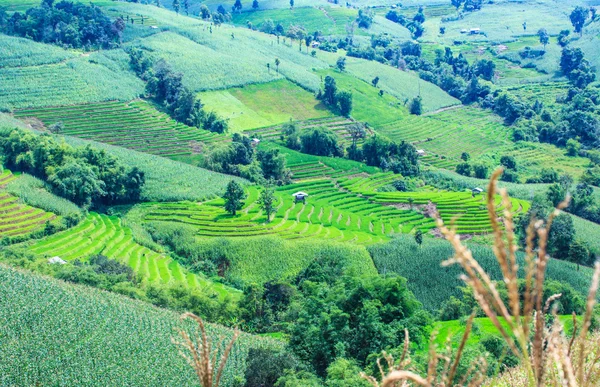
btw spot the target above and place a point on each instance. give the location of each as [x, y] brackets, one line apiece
[87, 176]
[67, 23]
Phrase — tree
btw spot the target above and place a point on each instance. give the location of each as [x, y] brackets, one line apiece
[375, 81]
[356, 131]
[465, 157]
[578, 18]
[365, 18]
[330, 91]
[344, 100]
[158, 3]
[237, 6]
[176, 6]
[78, 183]
[563, 38]
[561, 236]
[579, 253]
[573, 147]
[234, 197]
[267, 200]
[186, 6]
[544, 37]
[508, 162]
[265, 366]
[255, 5]
[292, 4]
[320, 141]
[464, 169]
[341, 63]
[480, 171]
[204, 12]
[277, 63]
[419, 237]
[416, 106]
[457, 3]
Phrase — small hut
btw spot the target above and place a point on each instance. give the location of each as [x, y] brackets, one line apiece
[300, 196]
[476, 191]
[56, 260]
[420, 152]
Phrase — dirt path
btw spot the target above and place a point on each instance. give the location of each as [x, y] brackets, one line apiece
[327, 15]
[443, 110]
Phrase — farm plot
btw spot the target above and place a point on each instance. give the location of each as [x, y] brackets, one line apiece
[16, 218]
[101, 234]
[265, 104]
[135, 125]
[329, 214]
[56, 333]
[339, 125]
[19, 52]
[96, 78]
[467, 213]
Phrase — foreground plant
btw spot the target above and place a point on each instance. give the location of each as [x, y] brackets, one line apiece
[198, 352]
[547, 356]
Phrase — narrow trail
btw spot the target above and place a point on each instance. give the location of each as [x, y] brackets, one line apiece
[442, 110]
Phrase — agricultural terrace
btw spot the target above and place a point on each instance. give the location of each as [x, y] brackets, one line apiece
[464, 211]
[264, 104]
[30, 81]
[329, 214]
[135, 125]
[305, 166]
[546, 93]
[101, 234]
[338, 125]
[72, 333]
[16, 218]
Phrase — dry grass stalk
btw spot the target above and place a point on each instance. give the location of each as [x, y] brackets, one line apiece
[546, 356]
[200, 354]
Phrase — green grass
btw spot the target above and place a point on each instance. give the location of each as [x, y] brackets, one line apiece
[101, 234]
[54, 333]
[401, 84]
[135, 125]
[433, 284]
[94, 78]
[265, 104]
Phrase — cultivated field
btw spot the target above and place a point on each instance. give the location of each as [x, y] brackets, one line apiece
[101, 234]
[60, 334]
[135, 125]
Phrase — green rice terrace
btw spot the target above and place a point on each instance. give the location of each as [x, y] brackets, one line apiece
[135, 125]
[102, 234]
[16, 218]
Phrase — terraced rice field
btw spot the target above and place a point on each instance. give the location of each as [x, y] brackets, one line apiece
[102, 234]
[18, 219]
[329, 213]
[317, 170]
[446, 135]
[337, 125]
[135, 125]
[465, 212]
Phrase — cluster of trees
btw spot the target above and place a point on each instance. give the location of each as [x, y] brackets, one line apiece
[318, 141]
[563, 242]
[240, 158]
[583, 202]
[69, 24]
[336, 99]
[87, 176]
[166, 87]
[414, 25]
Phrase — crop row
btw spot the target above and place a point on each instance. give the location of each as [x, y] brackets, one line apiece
[101, 234]
[135, 125]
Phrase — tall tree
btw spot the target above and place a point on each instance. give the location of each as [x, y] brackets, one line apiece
[267, 200]
[158, 3]
[176, 6]
[277, 63]
[341, 63]
[457, 3]
[291, 3]
[544, 37]
[578, 18]
[255, 5]
[186, 6]
[330, 91]
[344, 101]
[237, 6]
[234, 197]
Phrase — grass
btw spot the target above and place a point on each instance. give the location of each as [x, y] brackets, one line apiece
[101, 234]
[264, 104]
[95, 78]
[95, 338]
[433, 284]
[135, 125]
[401, 84]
